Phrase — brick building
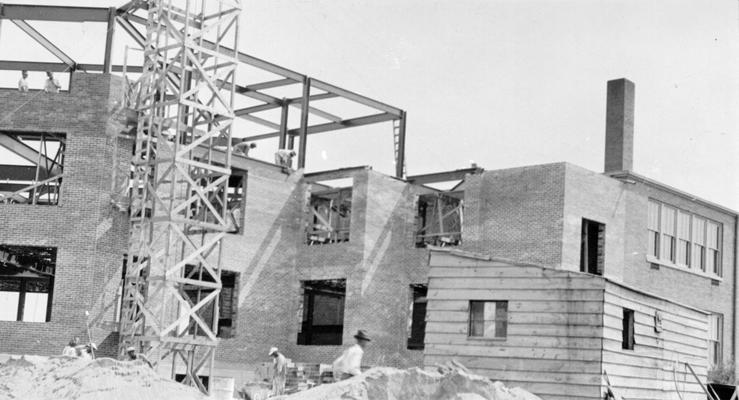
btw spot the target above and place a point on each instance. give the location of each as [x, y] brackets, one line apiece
[314, 257]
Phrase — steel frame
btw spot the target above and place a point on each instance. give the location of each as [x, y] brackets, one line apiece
[184, 99]
[313, 119]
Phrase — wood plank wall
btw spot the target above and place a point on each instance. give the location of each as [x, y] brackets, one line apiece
[649, 370]
[553, 345]
[564, 329]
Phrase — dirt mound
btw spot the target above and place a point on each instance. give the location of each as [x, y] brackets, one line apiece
[42, 378]
[414, 384]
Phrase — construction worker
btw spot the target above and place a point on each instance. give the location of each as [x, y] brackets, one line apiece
[52, 84]
[350, 362]
[242, 148]
[87, 351]
[279, 372]
[284, 158]
[70, 349]
[23, 83]
[132, 355]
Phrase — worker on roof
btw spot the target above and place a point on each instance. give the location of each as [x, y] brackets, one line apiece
[52, 84]
[23, 83]
[350, 362]
[132, 355]
[284, 158]
[279, 371]
[70, 349]
[242, 148]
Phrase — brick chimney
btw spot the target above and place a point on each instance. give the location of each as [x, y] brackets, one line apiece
[619, 126]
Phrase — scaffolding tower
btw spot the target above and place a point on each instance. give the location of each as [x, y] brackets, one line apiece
[184, 102]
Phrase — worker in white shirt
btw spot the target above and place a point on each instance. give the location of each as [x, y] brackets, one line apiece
[350, 362]
[284, 158]
[279, 372]
[52, 84]
[70, 350]
[23, 83]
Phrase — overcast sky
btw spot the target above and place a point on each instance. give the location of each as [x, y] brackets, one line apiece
[504, 83]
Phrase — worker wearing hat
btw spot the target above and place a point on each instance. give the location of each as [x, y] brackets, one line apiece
[279, 372]
[350, 362]
[132, 355]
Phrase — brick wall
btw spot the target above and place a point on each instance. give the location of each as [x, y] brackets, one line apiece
[89, 234]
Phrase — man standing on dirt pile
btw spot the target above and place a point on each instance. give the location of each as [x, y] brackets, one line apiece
[350, 362]
[279, 372]
[131, 355]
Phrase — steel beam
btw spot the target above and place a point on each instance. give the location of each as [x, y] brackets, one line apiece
[32, 66]
[43, 41]
[283, 124]
[304, 113]
[271, 84]
[356, 97]
[109, 40]
[26, 152]
[400, 161]
[445, 176]
[331, 126]
[53, 13]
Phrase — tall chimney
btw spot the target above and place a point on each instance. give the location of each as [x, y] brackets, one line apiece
[619, 126]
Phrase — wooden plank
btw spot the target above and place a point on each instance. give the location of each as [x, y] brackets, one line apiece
[592, 319]
[520, 365]
[461, 339]
[574, 331]
[513, 352]
[646, 308]
[528, 283]
[510, 295]
[558, 306]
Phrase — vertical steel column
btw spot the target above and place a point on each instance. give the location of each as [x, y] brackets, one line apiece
[400, 162]
[109, 40]
[283, 123]
[304, 123]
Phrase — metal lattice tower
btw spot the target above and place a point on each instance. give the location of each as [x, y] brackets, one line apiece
[184, 102]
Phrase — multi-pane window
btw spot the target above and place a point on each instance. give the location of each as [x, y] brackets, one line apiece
[667, 219]
[715, 338]
[488, 319]
[684, 239]
[713, 234]
[699, 243]
[653, 229]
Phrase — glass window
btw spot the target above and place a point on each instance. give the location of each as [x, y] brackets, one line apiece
[488, 319]
[668, 233]
[715, 338]
[26, 282]
[683, 239]
[713, 234]
[699, 243]
[653, 228]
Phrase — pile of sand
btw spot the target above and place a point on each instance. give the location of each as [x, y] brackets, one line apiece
[414, 384]
[47, 378]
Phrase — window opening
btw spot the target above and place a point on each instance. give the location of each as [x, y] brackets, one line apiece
[715, 339]
[417, 317]
[322, 319]
[592, 247]
[439, 217]
[33, 167]
[26, 283]
[330, 214]
[488, 319]
[627, 331]
[226, 301]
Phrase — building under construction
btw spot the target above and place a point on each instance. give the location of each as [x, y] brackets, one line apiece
[545, 277]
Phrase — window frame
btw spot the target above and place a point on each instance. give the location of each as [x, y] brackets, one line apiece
[25, 280]
[628, 331]
[504, 323]
[697, 250]
[715, 345]
[306, 310]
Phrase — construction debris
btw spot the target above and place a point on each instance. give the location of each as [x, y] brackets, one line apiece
[46, 378]
[449, 383]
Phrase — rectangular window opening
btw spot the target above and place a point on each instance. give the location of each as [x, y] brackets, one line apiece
[683, 239]
[26, 283]
[330, 212]
[226, 301]
[715, 339]
[439, 219]
[417, 317]
[627, 331]
[32, 168]
[488, 319]
[322, 316]
[592, 247]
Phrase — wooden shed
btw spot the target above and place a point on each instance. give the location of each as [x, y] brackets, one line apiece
[555, 333]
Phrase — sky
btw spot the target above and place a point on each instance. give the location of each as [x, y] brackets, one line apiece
[500, 83]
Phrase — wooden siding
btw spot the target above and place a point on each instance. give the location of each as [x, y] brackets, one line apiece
[554, 341]
[650, 370]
